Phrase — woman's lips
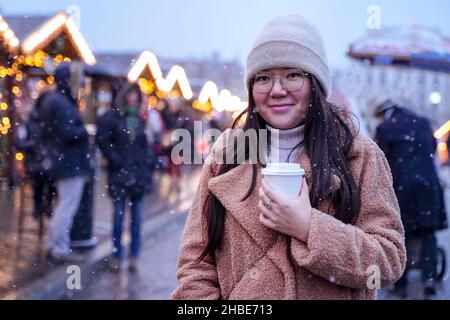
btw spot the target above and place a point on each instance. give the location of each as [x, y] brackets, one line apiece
[280, 108]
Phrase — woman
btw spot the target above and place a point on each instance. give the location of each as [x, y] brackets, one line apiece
[122, 139]
[342, 238]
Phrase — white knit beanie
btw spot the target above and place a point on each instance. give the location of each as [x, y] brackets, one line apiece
[289, 41]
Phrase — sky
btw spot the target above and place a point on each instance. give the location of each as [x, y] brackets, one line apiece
[198, 28]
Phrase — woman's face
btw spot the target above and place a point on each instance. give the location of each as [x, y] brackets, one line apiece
[133, 98]
[280, 108]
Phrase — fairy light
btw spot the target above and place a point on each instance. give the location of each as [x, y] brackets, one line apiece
[442, 131]
[15, 90]
[40, 37]
[50, 80]
[14, 42]
[209, 91]
[223, 101]
[19, 156]
[80, 42]
[435, 98]
[8, 35]
[146, 59]
[442, 146]
[176, 74]
[3, 106]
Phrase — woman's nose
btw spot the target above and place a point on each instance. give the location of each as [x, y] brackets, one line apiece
[277, 88]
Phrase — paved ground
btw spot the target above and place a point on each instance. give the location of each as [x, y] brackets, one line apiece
[22, 248]
[155, 279]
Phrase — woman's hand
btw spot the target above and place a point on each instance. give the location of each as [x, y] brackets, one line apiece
[289, 216]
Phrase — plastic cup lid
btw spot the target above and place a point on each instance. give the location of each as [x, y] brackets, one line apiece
[283, 169]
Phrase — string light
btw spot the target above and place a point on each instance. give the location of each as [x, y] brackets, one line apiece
[176, 74]
[442, 131]
[8, 35]
[44, 34]
[15, 90]
[50, 80]
[220, 102]
[146, 59]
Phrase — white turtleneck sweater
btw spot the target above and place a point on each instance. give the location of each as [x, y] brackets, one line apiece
[287, 140]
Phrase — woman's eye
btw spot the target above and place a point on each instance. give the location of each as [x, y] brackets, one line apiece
[262, 78]
[294, 75]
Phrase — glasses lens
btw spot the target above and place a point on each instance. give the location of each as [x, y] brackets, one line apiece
[262, 83]
[291, 80]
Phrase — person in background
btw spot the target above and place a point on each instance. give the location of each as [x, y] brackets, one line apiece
[173, 118]
[408, 143]
[67, 159]
[122, 140]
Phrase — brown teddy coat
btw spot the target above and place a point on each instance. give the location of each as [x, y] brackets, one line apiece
[339, 261]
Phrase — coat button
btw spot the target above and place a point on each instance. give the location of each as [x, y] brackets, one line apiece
[254, 273]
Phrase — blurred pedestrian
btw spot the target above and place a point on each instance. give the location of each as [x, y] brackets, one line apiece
[244, 240]
[122, 140]
[174, 118]
[67, 158]
[408, 143]
[29, 141]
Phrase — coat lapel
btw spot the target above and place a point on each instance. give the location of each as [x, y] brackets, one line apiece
[230, 188]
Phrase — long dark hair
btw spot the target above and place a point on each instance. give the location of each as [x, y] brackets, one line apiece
[328, 139]
[120, 101]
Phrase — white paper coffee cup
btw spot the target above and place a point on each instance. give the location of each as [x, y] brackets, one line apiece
[285, 178]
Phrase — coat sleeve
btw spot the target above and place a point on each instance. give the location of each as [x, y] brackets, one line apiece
[196, 280]
[350, 255]
[104, 140]
[382, 139]
[69, 126]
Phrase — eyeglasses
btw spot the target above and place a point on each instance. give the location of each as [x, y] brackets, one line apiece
[290, 80]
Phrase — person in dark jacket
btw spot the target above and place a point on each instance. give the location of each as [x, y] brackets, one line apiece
[29, 141]
[122, 140]
[174, 118]
[408, 143]
[67, 157]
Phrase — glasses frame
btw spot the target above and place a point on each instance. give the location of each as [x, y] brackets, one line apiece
[305, 75]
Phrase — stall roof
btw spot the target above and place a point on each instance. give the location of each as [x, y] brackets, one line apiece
[36, 32]
[25, 25]
[400, 42]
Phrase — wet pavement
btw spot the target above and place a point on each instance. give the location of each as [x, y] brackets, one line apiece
[156, 275]
[23, 246]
